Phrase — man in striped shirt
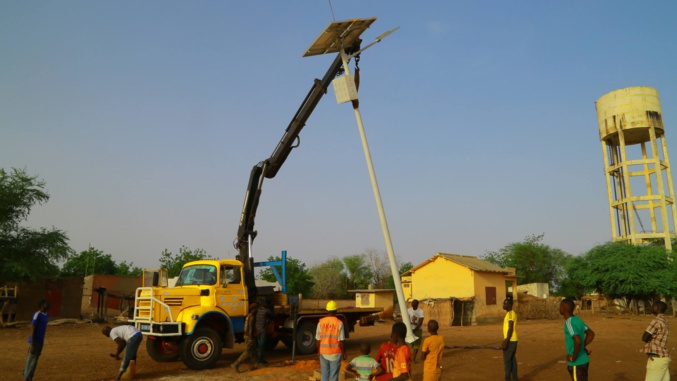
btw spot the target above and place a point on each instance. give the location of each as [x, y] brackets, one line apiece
[577, 337]
[656, 339]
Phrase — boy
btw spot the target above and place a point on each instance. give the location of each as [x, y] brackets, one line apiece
[402, 366]
[363, 366]
[509, 344]
[36, 339]
[577, 337]
[432, 353]
[386, 360]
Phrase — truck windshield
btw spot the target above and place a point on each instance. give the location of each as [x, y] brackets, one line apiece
[197, 274]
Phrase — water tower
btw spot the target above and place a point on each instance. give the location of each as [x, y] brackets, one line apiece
[636, 166]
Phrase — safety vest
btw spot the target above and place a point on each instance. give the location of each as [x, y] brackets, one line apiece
[329, 335]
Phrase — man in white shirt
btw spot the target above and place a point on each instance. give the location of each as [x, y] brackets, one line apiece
[416, 316]
[128, 338]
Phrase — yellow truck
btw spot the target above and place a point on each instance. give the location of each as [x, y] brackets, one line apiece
[205, 311]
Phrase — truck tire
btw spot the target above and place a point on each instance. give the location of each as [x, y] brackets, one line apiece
[202, 349]
[162, 349]
[305, 338]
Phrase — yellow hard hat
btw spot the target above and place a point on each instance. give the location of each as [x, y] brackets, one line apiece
[332, 306]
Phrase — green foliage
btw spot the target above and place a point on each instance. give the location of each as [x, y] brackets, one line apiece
[88, 262]
[359, 275]
[173, 263]
[534, 261]
[404, 267]
[570, 286]
[94, 261]
[125, 268]
[24, 252]
[333, 278]
[622, 270]
[299, 280]
[19, 193]
[329, 280]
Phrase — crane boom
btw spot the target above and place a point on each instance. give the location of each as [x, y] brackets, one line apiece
[269, 167]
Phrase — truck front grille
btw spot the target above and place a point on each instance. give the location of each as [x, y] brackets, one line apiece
[173, 301]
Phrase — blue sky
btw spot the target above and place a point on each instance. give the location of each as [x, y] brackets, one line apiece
[145, 119]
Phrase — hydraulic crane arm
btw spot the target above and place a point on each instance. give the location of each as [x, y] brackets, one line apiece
[268, 168]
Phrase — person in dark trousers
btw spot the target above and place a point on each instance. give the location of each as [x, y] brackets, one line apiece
[577, 337]
[36, 339]
[509, 344]
[656, 347]
[263, 315]
[128, 339]
[250, 341]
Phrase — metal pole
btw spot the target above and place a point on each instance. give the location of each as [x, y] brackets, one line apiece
[381, 213]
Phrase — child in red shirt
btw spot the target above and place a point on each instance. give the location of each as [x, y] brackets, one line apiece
[386, 359]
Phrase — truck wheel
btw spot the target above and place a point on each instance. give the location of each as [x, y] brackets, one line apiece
[162, 349]
[305, 338]
[201, 350]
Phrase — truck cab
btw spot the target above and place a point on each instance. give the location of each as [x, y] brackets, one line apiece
[197, 317]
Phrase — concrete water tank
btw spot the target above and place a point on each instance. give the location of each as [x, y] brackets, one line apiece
[636, 166]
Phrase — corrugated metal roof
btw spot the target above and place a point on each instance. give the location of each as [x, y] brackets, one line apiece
[468, 261]
[473, 263]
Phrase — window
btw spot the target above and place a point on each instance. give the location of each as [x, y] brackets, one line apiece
[231, 274]
[491, 295]
[197, 274]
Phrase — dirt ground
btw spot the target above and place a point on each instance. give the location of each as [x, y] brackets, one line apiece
[80, 352]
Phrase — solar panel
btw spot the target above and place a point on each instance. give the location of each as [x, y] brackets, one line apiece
[337, 34]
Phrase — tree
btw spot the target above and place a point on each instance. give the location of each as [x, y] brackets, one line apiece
[329, 281]
[94, 261]
[571, 286]
[358, 273]
[380, 267]
[621, 270]
[88, 262]
[25, 252]
[404, 267]
[534, 261]
[173, 263]
[299, 280]
[125, 268]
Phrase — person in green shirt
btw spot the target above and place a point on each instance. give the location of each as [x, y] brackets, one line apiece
[577, 337]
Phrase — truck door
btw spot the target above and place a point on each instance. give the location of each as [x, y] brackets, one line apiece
[230, 296]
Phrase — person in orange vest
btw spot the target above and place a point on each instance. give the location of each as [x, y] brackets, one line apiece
[329, 339]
